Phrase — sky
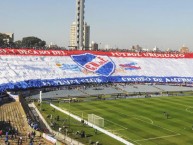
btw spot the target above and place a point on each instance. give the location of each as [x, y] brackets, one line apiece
[118, 23]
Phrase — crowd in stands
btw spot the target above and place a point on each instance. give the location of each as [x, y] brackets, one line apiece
[10, 133]
[32, 124]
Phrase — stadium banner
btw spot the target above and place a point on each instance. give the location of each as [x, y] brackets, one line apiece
[29, 71]
[34, 52]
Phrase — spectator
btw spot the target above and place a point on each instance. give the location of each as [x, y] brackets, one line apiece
[16, 131]
[1, 133]
[31, 141]
[28, 134]
[97, 143]
[20, 141]
[6, 139]
[7, 134]
[60, 129]
[95, 131]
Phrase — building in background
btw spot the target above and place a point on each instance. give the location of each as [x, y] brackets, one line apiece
[94, 46]
[53, 46]
[74, 39]
[80, 23]
[155, 49]
[80, 31]
[73, 42]
[86, 38]
[136, 48]
[11, 37]
[184, 49]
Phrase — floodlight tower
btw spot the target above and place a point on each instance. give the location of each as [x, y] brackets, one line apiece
[80, 23]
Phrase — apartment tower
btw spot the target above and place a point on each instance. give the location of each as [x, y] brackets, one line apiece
[80, 31]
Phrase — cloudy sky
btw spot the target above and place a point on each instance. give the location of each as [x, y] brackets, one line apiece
[119, 23]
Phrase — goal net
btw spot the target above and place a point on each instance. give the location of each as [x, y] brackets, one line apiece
[96, 120]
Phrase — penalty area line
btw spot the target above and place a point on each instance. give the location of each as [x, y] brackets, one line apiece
[139, 118]
[116, 130]
[187, 109]
[116, 124]
[86, 111]
[153, 138]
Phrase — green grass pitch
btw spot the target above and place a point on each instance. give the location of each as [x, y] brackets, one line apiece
[144, 121]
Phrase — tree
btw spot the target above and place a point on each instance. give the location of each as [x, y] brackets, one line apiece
[18, 43]
[33, 42]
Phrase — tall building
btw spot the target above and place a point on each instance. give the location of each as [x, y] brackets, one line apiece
[73, 42]
[80, 22]
[86, 37]
[80, 31]
[74, 39]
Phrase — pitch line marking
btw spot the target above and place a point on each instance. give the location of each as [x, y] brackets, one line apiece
[148, 122]
[116, 124]
[187, 109]
[124, 128]
[152, 123]
[135, 118]
[83, 110]
[138, 118]
[137, 141]
[116, 130]
[153, 138]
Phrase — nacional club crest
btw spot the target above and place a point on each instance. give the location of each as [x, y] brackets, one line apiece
[101, 65]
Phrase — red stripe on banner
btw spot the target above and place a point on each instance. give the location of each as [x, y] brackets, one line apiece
[33, 52]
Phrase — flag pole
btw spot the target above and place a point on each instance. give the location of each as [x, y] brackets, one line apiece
[40, 97]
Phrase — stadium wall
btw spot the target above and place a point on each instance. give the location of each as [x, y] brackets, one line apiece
[29, 68]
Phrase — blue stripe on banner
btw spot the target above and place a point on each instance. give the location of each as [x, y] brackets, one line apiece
[102, 79]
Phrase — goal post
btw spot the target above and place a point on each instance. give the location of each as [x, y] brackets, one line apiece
[96, 120]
